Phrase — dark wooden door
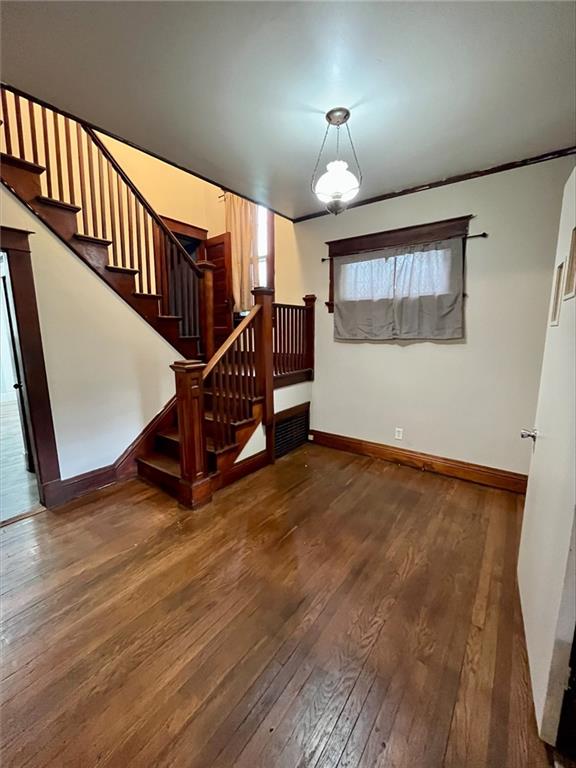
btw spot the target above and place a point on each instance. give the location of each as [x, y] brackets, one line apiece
[219, 252]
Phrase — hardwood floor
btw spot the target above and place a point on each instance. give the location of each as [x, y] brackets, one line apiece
[331, 610]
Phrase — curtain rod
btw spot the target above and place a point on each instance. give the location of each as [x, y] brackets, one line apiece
[373, 250]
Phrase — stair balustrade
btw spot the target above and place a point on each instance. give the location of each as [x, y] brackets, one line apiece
[78, 173]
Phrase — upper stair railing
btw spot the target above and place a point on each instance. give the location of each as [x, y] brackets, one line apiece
[81, 172]
[293, 341]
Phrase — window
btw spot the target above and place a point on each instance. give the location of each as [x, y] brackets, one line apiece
[399, 284]
[265, 247]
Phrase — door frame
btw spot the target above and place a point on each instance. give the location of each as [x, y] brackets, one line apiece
[24, 309]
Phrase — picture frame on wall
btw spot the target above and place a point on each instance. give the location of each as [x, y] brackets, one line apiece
[557, 295]
[570, 280]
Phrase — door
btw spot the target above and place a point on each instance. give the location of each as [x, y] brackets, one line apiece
[219, 252]
[546, 564]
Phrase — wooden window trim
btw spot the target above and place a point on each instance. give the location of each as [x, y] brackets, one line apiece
[270, 256]
[375, 241]
[38, 411]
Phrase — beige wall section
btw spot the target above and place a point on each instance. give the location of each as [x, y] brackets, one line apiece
[465, 400]
[108, 370]
[288, 267]
[169, 191]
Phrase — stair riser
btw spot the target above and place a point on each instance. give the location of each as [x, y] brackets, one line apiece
[167, 446]
[95, 255]
[26, 183]
[155, 475]
[64, 221]
[148, 308]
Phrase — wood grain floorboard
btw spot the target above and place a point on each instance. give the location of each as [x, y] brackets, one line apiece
[330, 610]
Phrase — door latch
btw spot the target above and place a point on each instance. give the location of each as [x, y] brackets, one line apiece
[531, 433]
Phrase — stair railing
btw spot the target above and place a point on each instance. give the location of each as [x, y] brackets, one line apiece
[293, 341]
[81, 172]
[236, 378]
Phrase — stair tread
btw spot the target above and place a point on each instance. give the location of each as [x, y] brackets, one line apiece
[210, 447]
[58, 203]
[170, 434]
[173, 434]
[121, 270]
[26, 165]
[90, 239]
[163, 462]
[189, 338]
[155, 296]
[209, 416]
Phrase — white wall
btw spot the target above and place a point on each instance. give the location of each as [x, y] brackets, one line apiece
[546, 567]
[108, 370]
[464, 400]
[284, 398]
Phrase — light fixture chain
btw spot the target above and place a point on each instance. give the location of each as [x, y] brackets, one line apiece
[337, 142]
[355, 155]
[319, 156]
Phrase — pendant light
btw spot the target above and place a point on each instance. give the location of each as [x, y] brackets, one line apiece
[337, 186]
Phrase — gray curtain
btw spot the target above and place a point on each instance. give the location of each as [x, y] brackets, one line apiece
[408, 292]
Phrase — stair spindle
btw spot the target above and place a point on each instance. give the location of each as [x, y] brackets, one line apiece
[101, 185]
[7, 123]
[33, 132]
[110, 184]
[19, 126]
[83, 200]
[47, 161]
[58, 157]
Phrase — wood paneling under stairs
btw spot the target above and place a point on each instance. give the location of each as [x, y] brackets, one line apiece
[330, 610]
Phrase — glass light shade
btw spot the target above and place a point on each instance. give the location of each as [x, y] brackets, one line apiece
[338, 183]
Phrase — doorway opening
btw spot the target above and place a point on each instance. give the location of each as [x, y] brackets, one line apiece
[19, 494]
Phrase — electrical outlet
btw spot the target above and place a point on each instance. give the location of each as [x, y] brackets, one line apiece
[399, 433]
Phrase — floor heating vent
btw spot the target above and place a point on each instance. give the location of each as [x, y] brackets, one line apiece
[292, 428]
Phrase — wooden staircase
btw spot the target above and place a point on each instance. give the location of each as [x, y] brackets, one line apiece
[63, 172]
[60, 169]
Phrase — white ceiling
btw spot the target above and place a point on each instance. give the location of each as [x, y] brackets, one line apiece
[236, 91]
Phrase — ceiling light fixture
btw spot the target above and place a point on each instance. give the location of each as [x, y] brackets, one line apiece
[337, 186]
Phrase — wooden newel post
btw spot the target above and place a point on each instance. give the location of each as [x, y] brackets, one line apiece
[195, 485]
[264, 367]
[207, 308]
[309, 302]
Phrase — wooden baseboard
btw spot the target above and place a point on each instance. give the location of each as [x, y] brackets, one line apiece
[463, 470]
[57, 492]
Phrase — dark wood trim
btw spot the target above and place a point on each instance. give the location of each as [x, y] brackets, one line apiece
[143, 444]
[296, 377]
[58, 492]
[32, 364]
[389, 238]
[553, 155]
[374, 241]
[182, 228]
[271, 255]
[463, 470]
[295, 410]
[242, 468]
[150, 153]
